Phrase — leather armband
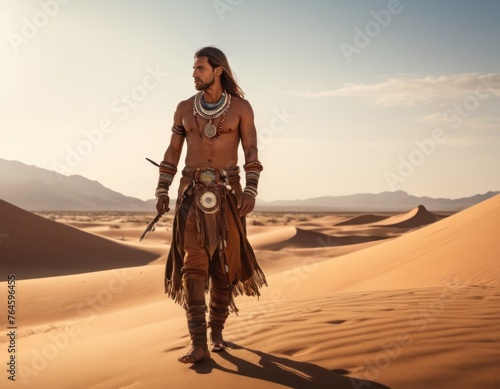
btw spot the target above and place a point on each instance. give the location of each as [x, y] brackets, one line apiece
[179, 129]
[167, 173]
[252, 173]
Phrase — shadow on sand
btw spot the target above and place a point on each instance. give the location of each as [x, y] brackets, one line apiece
[284, 371]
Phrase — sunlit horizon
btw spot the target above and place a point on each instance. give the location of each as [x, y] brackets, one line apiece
[349, 97]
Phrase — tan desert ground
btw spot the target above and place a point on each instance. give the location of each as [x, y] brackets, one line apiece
[407, 300]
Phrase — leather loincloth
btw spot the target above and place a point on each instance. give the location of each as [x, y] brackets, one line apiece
[210, 200]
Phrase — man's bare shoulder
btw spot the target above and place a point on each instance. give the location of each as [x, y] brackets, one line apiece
[183, 109]
[185, 104]
[241, 104]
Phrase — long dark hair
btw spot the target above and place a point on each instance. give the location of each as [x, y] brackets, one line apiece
[217, 58]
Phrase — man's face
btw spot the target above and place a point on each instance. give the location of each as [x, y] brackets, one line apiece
[203, 74]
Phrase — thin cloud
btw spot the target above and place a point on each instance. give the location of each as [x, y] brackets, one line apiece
[487, 125]
[413, 92]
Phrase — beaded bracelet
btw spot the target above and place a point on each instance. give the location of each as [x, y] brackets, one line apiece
[167, 173]
[252, 172]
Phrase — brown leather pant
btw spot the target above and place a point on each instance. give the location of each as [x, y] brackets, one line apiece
[202, 262]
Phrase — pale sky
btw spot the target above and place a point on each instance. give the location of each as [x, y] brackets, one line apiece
[349, 96]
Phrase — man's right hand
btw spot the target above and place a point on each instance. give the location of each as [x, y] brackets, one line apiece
[162, 203]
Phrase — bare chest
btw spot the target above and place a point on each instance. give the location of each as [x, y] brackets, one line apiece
[226, 124]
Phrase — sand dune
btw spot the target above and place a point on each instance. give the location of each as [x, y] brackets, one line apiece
[326, 220]
[262, 237]
[440, 337]
[312, 239]
[418, 311]
[464, 247]
[362, 219]
[37, 247]
[417, 217]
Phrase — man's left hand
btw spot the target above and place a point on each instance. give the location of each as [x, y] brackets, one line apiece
[246, 204]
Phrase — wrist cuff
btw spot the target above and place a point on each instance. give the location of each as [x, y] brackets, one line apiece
[166, 176]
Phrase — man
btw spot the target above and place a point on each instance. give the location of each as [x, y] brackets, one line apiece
[209, 249]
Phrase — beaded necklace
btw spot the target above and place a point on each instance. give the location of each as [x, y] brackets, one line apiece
[201, 108]
[216, 131]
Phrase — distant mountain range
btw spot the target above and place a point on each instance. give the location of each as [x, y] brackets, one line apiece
[36, 189]
[381, 202]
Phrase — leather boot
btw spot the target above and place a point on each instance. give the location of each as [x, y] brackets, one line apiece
[219, 311]
[196, 318]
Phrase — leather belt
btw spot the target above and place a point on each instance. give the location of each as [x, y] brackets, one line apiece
[233, 173]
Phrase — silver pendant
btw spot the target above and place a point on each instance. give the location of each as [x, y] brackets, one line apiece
[210, 130]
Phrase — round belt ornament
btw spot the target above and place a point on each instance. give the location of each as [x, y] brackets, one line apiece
[207, 177]
[208, 202]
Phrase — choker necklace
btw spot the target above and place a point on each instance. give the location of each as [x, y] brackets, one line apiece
[203, 109]
[215, 105]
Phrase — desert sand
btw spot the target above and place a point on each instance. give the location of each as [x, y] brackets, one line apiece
[408, 300]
